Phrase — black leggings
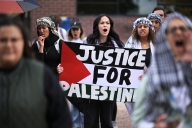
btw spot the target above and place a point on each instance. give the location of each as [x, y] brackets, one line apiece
[93, 109]
[114, 112]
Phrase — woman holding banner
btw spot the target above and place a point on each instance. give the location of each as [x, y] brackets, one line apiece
[165, 99]
[143, 34]
[76, 35]
[104, 35]
[48, 46]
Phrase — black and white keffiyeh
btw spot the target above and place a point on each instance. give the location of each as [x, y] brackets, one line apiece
[155, 16]
[46, 21]
[143, 20]
[165, 73]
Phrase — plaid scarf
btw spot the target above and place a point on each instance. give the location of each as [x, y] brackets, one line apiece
[165, 73]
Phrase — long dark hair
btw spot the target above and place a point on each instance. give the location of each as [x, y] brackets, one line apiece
[112, 34]
[70, 36]
[15, 21]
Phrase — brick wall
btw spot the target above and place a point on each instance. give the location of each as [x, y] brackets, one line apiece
[122, 24]
[52, 7]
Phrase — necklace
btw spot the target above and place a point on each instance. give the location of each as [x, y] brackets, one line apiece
[145, 45]
[47, 50]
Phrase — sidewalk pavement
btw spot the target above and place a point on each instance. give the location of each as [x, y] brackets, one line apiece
[122, 119]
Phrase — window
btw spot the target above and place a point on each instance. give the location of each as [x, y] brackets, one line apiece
[115, 7]
[183, 6]
[174, 2]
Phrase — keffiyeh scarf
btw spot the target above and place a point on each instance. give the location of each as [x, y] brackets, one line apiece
[165, 73]
[46, 21]
[143, 20]
[155, 16]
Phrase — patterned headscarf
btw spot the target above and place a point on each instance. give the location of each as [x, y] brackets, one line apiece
[165, 73]
[46, 21]
[143, 20]
[155, 16]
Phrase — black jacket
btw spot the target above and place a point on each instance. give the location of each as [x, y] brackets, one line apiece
[51, 57]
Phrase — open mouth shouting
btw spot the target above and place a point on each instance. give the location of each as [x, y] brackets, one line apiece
[179, 45]
[105, 30]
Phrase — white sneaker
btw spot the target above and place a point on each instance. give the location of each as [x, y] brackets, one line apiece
[114, 124]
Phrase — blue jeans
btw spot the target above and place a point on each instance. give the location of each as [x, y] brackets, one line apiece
[77, 117]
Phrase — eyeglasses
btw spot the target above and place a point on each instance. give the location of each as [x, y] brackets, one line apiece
[13, 40]
[174, 29]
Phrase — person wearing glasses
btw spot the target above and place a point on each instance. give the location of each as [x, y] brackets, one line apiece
[165, 98]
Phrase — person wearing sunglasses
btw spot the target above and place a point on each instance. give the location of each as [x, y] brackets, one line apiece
[31, 96]
[165, 98]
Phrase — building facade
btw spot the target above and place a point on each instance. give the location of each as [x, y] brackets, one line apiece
[123, 12]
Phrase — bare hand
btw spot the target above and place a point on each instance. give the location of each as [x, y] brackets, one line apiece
[59, 69]
[187, 56]
[161, 123]
[41, 40]
[141, 76]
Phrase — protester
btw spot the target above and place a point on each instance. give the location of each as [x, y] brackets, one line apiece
[165, 96]
[57, 20]
[143, 35]
[31, 96]
[75, 34]
[104, 35]
[48, 46]
[168, 13]
[160, 11]
[156, 20]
